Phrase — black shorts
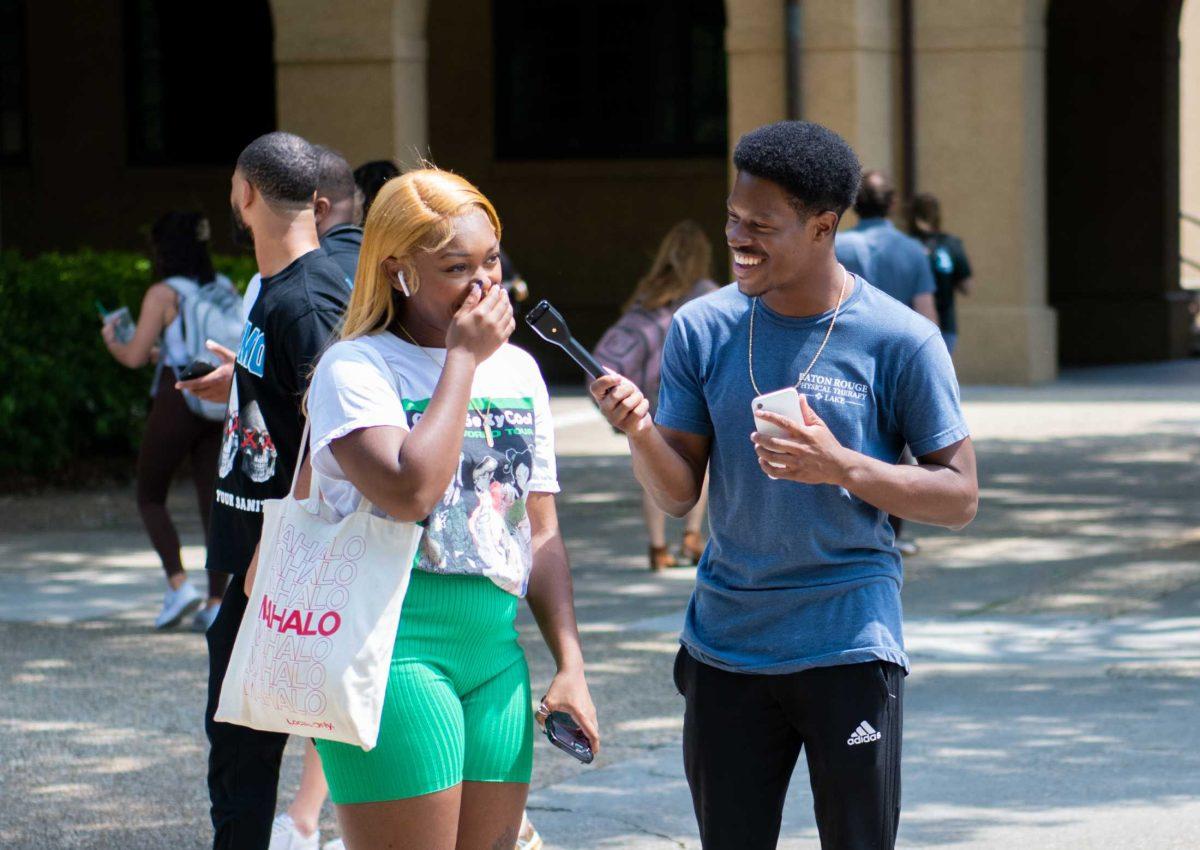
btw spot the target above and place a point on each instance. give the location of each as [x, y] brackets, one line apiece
[742, 735]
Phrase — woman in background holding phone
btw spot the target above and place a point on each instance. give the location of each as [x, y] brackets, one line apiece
[179, 248]
[681, 272]
[424, 409]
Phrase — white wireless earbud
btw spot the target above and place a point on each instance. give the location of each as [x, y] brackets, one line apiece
[403, 284]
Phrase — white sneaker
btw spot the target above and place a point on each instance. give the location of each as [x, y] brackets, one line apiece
[908, 548]
[285, 836]
[205, 617]
[529, 838]
[177, 604]
[336, 844]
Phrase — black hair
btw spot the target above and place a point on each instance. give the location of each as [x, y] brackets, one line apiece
[811, 163]
[179, 247]
[370, 177]
[335, 180]
[875, 195]
[282, 166]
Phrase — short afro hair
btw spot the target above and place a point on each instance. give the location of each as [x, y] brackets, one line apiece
[335, 180]
[811, 163]
[283, 167]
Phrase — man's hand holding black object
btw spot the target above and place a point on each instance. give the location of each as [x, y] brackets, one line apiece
[217, 384]
[623, 405]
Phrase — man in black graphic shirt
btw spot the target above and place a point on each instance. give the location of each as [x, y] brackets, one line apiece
[302, 298]
[337, 211]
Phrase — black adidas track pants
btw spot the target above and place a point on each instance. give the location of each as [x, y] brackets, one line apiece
[742, 735]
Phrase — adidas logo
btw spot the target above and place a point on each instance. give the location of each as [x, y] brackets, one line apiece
[864, 734]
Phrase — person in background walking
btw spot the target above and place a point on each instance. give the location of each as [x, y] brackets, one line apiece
[681, 272]
[179, 246]
[337, 211]
[877, 250]
[894, 262]
[301, 298]
[947, 258]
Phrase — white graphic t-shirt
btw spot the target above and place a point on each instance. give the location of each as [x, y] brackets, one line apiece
[480, 527]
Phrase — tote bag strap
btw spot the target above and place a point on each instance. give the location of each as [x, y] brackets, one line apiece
[300, 457]
[364, 504]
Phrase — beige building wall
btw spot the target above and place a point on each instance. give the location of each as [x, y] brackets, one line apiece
[354, 76]
[1189, 142]
[583, 231]
[981, 142]
[980, 146]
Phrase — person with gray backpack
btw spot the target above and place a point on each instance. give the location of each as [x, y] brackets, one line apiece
[187, 305]
[681, 272]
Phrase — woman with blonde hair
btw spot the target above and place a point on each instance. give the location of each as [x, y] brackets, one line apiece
[423, 408]
[681, 272]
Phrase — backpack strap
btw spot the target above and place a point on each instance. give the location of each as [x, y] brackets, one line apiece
[184, 288]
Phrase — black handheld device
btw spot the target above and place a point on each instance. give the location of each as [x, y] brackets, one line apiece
[195, 369]
[549, 324]
[564, 733]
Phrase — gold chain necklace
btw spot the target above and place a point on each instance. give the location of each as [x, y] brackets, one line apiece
[487, 425]
[817, 356]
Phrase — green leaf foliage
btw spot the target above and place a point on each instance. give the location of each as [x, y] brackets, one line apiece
[64, 401]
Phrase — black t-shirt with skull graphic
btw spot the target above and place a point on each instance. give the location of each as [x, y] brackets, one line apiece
[287, 329]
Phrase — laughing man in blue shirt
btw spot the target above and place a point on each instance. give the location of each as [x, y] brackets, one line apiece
[793, 636]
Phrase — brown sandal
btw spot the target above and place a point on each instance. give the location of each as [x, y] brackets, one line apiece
[693, 547]
[661, 559]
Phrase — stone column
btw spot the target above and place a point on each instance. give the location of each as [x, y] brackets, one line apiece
[1189, 138]
[754, 46]
[980, 101]
[354, 77]
[850, 77]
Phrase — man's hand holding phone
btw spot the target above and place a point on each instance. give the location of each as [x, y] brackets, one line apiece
[807, 453]
[216, 384]
[623, 405]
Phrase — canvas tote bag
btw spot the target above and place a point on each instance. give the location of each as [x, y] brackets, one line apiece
[314, 648]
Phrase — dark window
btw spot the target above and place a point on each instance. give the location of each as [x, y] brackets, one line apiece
[199, 79]
[14, 105]
[609, 78]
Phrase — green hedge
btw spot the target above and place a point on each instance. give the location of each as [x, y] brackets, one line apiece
[66, 405]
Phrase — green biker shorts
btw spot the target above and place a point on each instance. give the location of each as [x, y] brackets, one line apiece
[458, 704]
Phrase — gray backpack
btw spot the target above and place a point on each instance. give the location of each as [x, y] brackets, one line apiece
[208, 311]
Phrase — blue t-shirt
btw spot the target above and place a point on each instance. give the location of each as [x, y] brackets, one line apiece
[891, 260]
[798, 576]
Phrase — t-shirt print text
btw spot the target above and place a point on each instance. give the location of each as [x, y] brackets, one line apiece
[252, 350]
[835, 390]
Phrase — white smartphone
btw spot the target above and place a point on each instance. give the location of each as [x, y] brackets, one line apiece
[785, 402]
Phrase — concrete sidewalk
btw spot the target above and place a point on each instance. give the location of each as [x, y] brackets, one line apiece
[1055, 647]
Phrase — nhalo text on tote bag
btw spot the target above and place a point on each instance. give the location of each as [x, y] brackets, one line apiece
[314, 649]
